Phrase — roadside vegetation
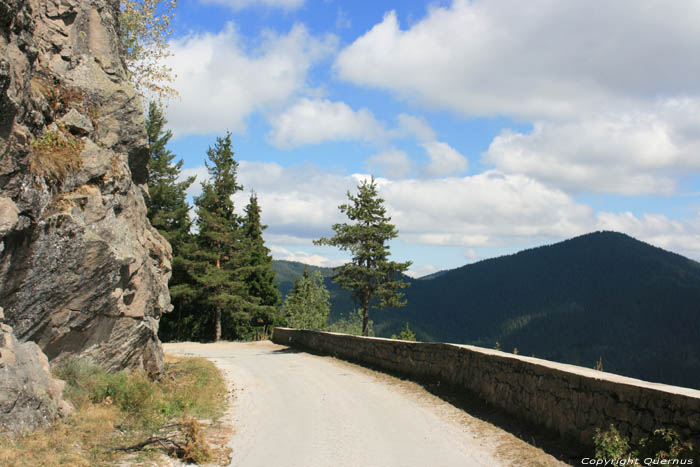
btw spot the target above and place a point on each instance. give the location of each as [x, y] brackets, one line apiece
[126, 415]
[663, 446]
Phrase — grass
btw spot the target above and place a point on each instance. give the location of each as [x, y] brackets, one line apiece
[55, 154]
[116, 413]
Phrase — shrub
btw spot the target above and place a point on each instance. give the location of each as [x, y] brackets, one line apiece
[664, 443]
[405, 335]
[610, 444]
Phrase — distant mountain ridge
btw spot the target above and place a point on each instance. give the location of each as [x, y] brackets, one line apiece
[603, 294]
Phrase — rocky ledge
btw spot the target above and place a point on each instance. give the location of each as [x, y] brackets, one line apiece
[82, 272]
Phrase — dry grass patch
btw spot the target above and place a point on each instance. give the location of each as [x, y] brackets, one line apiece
[118, 413]
[55, 154]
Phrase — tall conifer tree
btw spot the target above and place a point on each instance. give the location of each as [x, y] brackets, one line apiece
[168, 212]
[220, 252]
[258, 272]
[373, 279]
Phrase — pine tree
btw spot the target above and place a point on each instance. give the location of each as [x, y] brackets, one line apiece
[219, 253]
[307, 305]
[258, 272]
[168, 212]
[374, 280]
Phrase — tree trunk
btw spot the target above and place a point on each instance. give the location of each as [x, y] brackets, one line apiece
[217, 338]
[365, 313]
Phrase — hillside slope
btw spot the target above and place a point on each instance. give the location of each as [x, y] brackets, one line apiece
[603, 294]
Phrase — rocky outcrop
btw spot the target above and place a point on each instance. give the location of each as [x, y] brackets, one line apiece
[82, 272]
[29, 396]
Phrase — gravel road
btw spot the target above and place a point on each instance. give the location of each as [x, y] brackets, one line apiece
[296, 409]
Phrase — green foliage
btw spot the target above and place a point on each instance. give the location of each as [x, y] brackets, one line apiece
[219, 251]
[352, 324]
[222, 285]
[257, 270]
[123, 408]
[168, 210]
[374, 280]
[307, 304]
[663, 444]
[405, 335]
[610, 444]
[185, 390]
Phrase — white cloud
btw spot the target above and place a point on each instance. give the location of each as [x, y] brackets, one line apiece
[416, 127]
[313, 121]
[391, 164]
[608, 118]
[480, 210]
[241, 4]
[541, 58]
[633, 153]
[444, 160]
[300, 201]
[657, 229]
[201, 173]
[304, 257]
[422, 270]
[221, 81]
[491, 209]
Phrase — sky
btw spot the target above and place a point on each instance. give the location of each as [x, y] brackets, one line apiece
[491, 126]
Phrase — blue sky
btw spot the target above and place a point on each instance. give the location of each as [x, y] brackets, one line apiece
[491, 125]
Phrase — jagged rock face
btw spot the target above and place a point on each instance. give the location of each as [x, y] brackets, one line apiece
[82, 272]
[29, 395]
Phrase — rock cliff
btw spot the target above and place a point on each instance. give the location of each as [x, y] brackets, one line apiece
[82, 272]
[29, 396]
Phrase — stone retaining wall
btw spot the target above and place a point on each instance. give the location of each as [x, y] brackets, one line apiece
[569, 400]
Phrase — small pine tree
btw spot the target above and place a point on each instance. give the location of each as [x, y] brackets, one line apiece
[374, 280]
[307, 305]
[405, 335]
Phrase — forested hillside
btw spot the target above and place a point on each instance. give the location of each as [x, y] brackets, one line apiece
[603, 295]
[599, 295]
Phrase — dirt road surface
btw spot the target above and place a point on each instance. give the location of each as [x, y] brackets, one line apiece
[296, 409]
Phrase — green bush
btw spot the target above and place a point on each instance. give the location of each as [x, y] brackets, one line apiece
[190, 387]
[664, 443]
[610, 444]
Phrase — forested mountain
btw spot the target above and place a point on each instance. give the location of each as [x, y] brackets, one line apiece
[286, 272]
[603, 294]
